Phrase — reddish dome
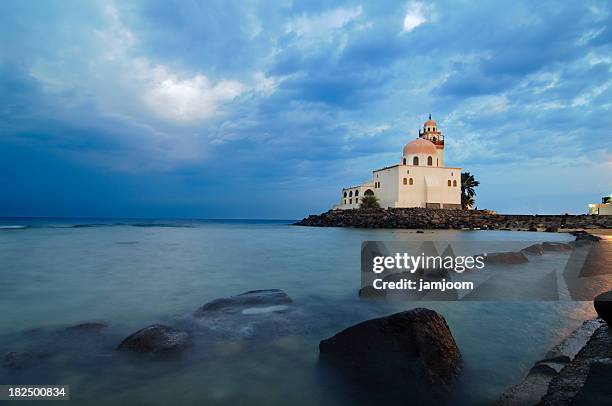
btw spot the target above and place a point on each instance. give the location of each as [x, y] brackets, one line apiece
[420, 146]
[430, 123]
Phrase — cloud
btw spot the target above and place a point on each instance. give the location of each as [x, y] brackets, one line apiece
[321, 26]
[184, 100]
[415, 16]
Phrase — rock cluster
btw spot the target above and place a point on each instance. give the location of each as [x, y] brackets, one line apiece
[421, 218]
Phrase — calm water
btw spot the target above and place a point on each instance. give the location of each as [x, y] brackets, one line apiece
[130, 274]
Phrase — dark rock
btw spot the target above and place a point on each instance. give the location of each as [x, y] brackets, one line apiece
[551, 229]
[16, 360]
[583, 235]
[603, 306]
[403, 351]
[420, 232]
[90, 327]
[233, 304]
[500, 258]
[535, 249]
[157, 339]
[556, 246]
[371, 292]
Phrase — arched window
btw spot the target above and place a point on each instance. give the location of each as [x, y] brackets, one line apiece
[410, 181]
[369, 192]
[449, 182]
[351, 193]
[429, 161]
[356, 193]
[454, 183]
[405, 181]
[345, 194]
[404, 161]
[415, 161]
[434, 139]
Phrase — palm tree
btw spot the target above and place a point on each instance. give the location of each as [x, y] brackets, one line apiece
[468, 183]
[369, 202]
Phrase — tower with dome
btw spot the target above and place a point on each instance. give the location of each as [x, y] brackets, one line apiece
[419, 180]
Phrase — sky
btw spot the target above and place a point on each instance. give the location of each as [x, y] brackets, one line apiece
[221, 109]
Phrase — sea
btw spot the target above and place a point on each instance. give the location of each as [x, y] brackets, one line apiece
[131, 273]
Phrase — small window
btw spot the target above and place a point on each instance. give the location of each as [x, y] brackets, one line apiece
[454, 183]
[350, 201]
[345, 194]
[344, 201]
[410, 181]
[408, 171]
[415, 161]
[351, 193]
[429, 161]
[405, 181]
[451, 173]
[356, 192]
[434, 139]
[449, 182]
[404, 161]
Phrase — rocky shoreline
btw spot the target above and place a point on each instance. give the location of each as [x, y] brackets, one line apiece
[420, 218]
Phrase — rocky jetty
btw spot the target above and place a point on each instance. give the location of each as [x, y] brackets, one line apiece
[420, 218]
[536, 384]
[411, 352]
[586, 380]
[156, 339]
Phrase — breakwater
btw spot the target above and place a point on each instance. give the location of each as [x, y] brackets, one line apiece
[421, 218]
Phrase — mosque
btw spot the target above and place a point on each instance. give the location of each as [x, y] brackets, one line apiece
[419, 180]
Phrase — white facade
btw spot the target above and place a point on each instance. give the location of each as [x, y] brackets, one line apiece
[419, 180]
[604, 208]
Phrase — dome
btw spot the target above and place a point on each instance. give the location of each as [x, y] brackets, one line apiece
[420, 146]
[430, 123]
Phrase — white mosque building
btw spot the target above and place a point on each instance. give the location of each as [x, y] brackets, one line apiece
[419, 180]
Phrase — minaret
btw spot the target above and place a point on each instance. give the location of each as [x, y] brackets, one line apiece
[430, 132]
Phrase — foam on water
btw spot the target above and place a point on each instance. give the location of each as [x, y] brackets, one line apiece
[262, 310]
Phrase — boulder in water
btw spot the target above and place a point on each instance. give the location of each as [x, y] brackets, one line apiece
[157, 339]
[88, 327]
[603, 306]
[556, 246]
[250, 299]
[401, 352]
[511, 258]
[371, 292]
[19, 360]
[535, 249]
